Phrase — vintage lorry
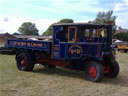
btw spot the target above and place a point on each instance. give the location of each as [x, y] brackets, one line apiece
[74, 46]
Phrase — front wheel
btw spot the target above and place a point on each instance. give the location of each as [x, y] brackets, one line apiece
[114, 69]
[23, 62]
[94, 71]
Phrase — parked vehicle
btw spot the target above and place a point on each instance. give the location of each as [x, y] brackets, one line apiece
[78, 46]
[5, 50]
[122, 47]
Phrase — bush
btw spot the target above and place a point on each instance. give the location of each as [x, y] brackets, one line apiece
[122, 36]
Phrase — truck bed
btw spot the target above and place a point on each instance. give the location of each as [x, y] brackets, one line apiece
[30, 44]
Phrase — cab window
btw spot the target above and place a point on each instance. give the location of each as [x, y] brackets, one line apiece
[72, 34]
[89, 34]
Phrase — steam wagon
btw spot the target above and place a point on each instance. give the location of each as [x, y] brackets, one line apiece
[74, 46]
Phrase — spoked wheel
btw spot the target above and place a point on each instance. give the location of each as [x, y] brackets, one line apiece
[94, 71]
[113, 69]
[23, 62]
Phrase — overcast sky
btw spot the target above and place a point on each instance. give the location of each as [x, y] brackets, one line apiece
[44, 12]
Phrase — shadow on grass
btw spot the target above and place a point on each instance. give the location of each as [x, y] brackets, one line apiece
[121, 80]
[61, 72]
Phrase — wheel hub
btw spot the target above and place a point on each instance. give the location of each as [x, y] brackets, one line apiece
[92, 72]
[23, 62]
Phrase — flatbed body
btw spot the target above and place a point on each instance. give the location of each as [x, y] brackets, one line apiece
[66, 50]
[30, 45]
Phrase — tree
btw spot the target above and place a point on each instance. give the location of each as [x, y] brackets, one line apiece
[123, 36]
[66, 21]
[28, 28]
[49, 30]
[16, 33]
[105, 17]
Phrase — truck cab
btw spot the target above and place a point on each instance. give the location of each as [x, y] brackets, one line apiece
[79, 40]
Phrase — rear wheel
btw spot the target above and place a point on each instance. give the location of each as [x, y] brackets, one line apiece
[23, 62]
[94, 71]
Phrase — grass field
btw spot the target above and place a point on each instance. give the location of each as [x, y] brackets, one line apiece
[2, 43]
[58, 82]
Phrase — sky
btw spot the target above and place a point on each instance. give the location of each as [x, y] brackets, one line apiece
[45, 12]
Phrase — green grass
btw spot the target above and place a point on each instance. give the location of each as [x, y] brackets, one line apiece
[58, 82]
[1, 43]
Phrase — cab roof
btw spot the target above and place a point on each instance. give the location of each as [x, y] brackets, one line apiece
[81, 24]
